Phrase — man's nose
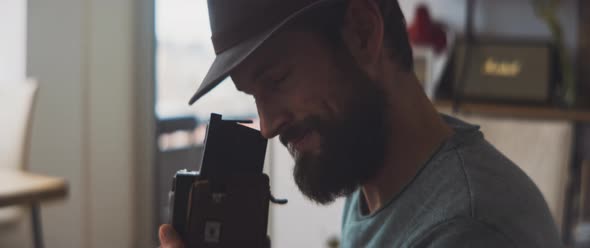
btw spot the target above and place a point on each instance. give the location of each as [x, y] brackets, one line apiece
[273, 119]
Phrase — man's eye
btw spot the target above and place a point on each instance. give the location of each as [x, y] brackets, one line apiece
[275, 83]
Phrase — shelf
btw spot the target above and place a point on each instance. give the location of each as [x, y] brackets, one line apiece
[517, 111]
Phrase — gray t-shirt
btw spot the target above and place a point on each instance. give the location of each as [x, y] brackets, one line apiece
[467, 195]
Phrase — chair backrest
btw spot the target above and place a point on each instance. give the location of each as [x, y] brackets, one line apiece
[16, 107]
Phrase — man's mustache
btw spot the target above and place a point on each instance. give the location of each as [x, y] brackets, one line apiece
[298, 129]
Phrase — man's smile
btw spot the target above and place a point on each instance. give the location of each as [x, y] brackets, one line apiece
[300, 140]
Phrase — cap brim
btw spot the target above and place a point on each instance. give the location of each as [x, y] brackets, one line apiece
[226, 61]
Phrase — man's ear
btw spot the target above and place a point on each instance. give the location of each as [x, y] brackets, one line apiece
[363, 31]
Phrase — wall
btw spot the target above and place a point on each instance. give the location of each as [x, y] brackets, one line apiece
[12, 44]
[109, 123]
[81, 52]
[541, 148]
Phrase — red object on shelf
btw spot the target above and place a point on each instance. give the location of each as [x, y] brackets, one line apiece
[425, 32]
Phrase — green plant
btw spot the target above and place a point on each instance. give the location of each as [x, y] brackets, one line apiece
[547, 11]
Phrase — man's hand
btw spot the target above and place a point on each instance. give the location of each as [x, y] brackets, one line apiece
[169, 238]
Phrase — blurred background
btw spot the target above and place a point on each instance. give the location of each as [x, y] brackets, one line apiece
[109, 115]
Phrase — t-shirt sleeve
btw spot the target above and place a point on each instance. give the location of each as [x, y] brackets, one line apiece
[463, 233]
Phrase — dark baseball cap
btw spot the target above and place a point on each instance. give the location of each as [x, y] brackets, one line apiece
[239, 27]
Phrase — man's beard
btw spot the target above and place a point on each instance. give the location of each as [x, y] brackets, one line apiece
[352, 147]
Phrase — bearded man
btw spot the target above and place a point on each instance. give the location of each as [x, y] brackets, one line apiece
[334, 80]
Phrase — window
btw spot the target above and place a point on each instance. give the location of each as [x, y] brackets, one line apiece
[184, 54]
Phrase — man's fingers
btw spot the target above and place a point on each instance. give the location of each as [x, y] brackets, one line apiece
[169, 238]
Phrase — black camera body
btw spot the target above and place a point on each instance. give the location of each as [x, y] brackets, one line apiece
[226, 203]
[179, 199]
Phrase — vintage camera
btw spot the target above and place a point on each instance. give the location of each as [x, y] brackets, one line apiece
[226, 203]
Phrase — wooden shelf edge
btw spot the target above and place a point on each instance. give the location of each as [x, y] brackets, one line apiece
[517, 111]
